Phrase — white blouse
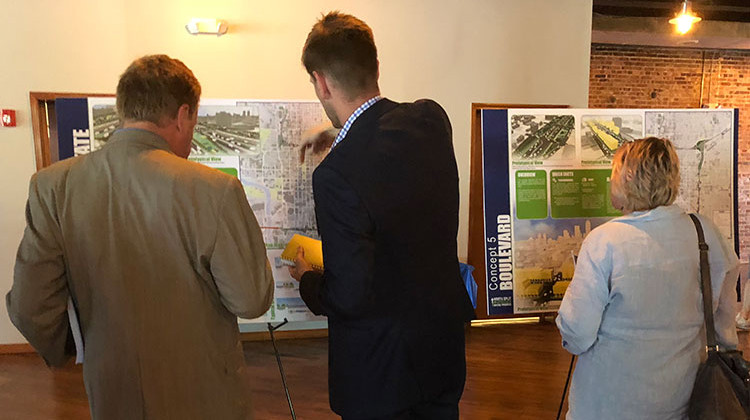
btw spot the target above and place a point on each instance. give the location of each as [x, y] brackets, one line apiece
[633, 313]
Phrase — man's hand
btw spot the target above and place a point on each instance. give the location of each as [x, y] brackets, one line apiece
[319, 139]
[301, 266]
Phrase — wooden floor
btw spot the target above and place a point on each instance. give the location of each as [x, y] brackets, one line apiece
[514, 372]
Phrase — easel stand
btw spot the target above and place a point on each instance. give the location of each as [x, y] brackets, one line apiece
[271, 329]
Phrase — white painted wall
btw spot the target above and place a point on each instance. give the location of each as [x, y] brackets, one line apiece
[507, 51]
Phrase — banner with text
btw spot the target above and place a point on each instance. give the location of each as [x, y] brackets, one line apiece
[73, 132]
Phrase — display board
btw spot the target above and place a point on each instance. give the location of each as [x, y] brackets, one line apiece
[256, 141]
[545, 175]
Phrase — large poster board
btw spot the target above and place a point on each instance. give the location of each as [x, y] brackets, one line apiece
[254, 140]
[546, 186]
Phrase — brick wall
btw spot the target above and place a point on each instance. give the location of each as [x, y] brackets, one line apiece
[651, 77]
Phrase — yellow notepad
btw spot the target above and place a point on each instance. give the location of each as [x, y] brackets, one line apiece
[313, 251]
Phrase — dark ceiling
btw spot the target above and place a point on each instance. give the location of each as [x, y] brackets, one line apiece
[723, 10]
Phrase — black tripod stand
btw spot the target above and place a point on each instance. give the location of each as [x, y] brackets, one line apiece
[271, 329]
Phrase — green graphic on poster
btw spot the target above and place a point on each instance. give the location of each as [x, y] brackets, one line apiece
[531, 194]
[579, 193]
[228, 164]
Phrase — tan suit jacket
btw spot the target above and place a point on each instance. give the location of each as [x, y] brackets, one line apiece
[159, 255]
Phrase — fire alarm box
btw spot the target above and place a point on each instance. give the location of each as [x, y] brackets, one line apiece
[8, 118]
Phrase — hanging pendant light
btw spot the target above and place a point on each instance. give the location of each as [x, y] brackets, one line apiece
[685, 19]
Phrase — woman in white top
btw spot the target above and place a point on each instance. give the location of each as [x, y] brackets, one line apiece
[633, 310]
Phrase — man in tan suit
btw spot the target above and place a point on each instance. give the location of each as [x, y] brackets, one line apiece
[159, 255]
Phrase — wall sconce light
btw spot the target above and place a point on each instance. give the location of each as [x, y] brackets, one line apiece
[684, 19]
[207, 27]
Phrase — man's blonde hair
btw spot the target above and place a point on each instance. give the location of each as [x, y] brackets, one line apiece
[645, 174]
[154, 87]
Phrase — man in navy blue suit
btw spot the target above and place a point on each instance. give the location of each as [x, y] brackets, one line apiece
[386, 202]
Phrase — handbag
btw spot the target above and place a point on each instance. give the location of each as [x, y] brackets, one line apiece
[722, 384]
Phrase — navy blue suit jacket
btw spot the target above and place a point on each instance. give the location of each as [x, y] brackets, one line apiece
[386, 203]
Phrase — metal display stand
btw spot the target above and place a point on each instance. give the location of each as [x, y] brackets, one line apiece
[271, 329]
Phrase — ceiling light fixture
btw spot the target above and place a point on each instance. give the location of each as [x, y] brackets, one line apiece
[207, 27]
[685, 18]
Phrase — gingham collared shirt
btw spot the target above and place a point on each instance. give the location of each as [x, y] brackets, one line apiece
[348, 124]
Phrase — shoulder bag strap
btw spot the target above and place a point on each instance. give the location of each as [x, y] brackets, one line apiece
[708, 310]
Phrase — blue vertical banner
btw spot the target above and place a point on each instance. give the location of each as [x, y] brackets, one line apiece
[498, 235]
[73, 134]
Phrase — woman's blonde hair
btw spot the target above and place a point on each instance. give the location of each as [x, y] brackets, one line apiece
[645, 174]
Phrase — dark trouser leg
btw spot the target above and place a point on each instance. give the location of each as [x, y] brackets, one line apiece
[444, 407]
[436, 410]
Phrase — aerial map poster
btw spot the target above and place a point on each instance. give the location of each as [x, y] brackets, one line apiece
[255, 141]
[546, 186]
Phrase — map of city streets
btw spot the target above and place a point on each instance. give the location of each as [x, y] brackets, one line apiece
[256, 141]
[265, 136]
